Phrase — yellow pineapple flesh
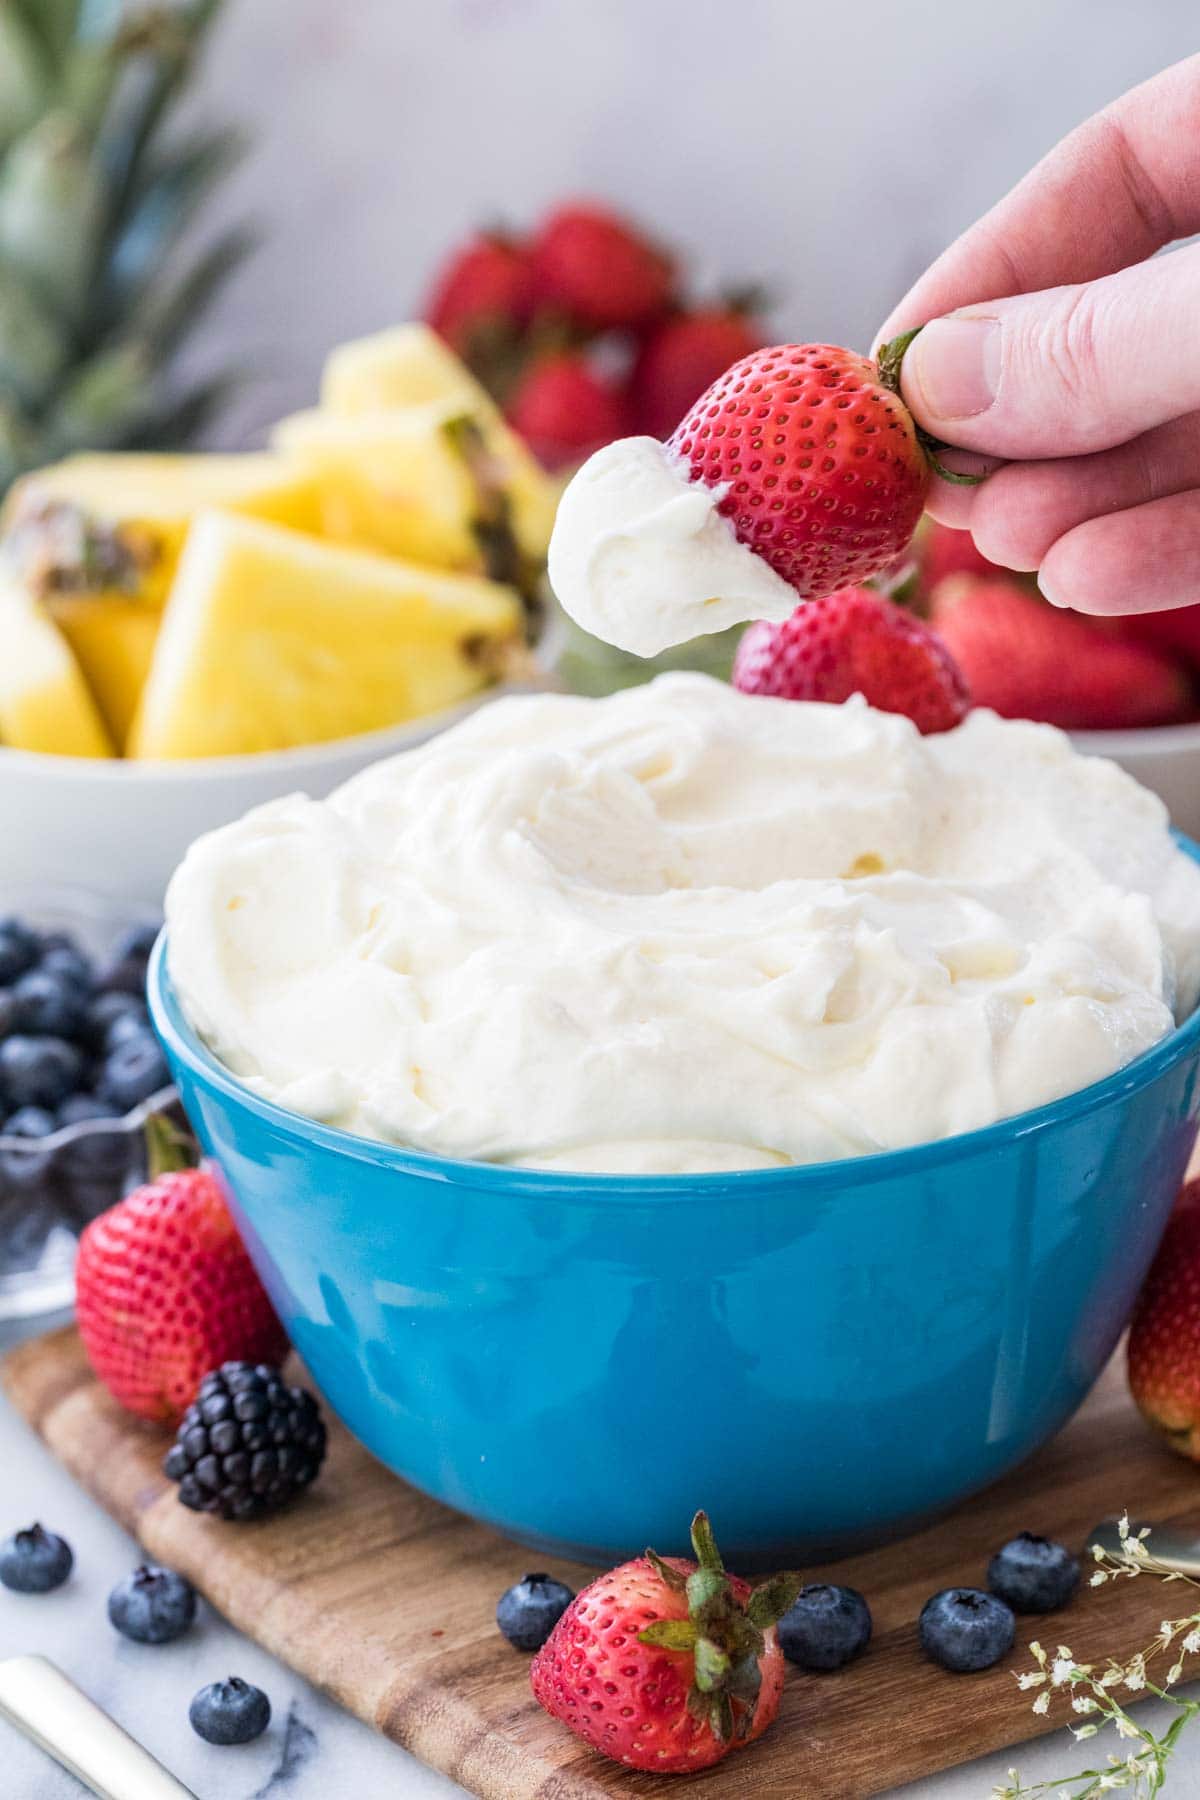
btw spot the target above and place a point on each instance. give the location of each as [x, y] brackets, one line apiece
[98, 538]
[436, 482]
[406, 366]
[272, 638]
[45, 703]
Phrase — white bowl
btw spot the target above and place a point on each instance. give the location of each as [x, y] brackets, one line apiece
[120, 828]
[1165, 758]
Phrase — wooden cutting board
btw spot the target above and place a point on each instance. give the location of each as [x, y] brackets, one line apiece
[384, 1599]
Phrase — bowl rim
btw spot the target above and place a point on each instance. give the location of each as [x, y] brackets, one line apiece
[298, 759]
[184, 1045]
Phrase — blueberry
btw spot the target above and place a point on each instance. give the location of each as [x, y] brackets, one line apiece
[132, 1072]
[48, 1004]
[825, 1627]
[93, 1155]
[230, 1712]
[25, 1168]
[80, 1109]
[69, 963]
[125, 970]
[18, 949]
[102, 1013]
[965, 1629]
[528, 1612]
[53, 940]
[34, 1561]
[1033, 1575]
[39, 1071]
[134, 1022]
[29, 1122]
[153, 1605]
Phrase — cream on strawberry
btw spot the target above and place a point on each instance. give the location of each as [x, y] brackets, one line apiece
[642, 558]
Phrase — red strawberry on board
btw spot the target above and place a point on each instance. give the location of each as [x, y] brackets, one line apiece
[1027, 659]
[665, 1664]
[855, 642]
[682, 357]
[593, 265]
[824, 472]
[1164, 1339]
[564, 409]
[164, 1289]
[481, 294]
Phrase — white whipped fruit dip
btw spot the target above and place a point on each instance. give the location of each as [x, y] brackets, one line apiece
[684, 928]
[641, 557]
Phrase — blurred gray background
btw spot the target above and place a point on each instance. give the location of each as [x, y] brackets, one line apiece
[831, 149]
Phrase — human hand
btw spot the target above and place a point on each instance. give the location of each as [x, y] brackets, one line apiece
[1068, 352]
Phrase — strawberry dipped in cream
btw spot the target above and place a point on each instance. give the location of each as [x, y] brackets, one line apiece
[799, 472]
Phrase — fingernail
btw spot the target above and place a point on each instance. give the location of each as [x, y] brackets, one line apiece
[1047, 590]
[955, 367]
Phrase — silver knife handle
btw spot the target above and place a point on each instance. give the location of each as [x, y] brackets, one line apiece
[39, 1700]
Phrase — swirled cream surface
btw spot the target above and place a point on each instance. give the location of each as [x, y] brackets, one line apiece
[685, 928]
[641, 557]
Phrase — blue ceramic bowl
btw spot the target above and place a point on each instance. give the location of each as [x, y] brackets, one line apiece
[821, 1356]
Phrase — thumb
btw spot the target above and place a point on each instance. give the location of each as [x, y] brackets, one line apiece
[1065, 371]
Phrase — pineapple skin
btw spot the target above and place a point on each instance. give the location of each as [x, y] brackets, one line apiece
[45, 703]
[273, 639]
[148, 501]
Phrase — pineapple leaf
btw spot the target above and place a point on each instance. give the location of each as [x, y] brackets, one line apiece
[24, 75]
[169, 314]
[50, 26]
[104, 401]
[170, 64]
[168, 201]
[182, 419]
[32, 350]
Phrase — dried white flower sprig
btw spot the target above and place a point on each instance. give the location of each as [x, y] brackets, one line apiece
[1094, 1690]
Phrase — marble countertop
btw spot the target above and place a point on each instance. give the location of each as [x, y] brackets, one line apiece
[313, 1750]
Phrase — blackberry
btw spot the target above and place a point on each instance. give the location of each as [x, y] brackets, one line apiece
[247, 1444]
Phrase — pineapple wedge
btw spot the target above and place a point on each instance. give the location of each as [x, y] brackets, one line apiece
[271, 638]
[437, 482]
[98, 539]
[406, 366]
[44, 701]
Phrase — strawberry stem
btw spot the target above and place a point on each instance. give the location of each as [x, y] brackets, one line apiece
[890, 361]
[724, 1636]
[168, 1149]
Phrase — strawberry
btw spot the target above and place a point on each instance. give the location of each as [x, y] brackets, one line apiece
[824, 472]
[481, 294]
[1028, 660]
[1164, 1339]
[564, 409]
[681, 358]
[1177, 630]
[666, 1664]
[942, 552]
[596, 267]
[855, 642]
[165, 1291]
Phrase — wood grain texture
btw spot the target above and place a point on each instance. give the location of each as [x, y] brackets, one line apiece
[385, 1599]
